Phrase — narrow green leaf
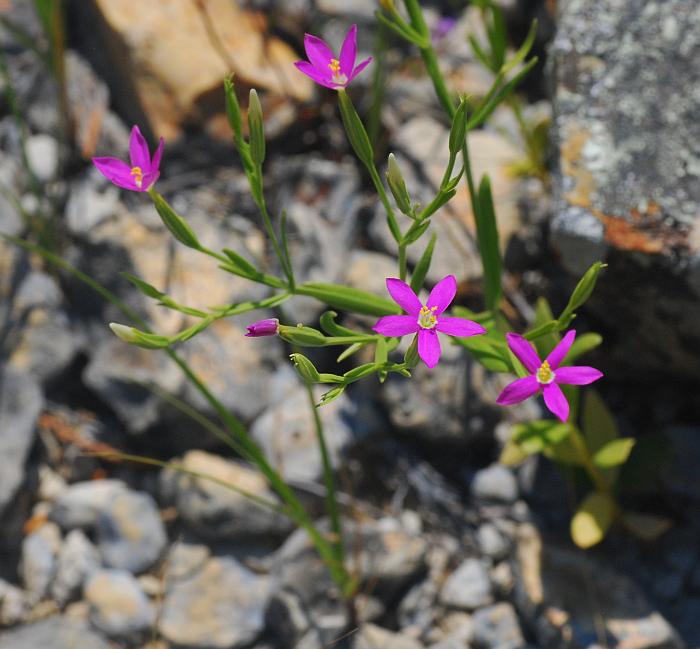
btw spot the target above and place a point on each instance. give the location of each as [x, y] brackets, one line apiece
[380, 352]
[593, 519]
[397, 185]
[581, 293]
[256, 130]
[360, 372]
[597, 422]
[614, 453]
[492, 356]
[346, 353]
[233, 109]
[241, 263]
[147, 289]
[535, 436]
[139, 338]
[416, 233]
[458, 130]
[349, 299]
[423, 265]
[582, 345]
[332, 328]
[487, 235]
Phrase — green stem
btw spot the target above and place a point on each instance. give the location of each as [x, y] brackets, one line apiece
[384, 198]
[594, 473]
[402, 261]
[328, 478]
[284, 262]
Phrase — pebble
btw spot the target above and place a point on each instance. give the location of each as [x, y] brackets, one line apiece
[371, 636]
[492, 542]
[118, 606]
[58, 632]
[468, 587]
[78, 558]
[497, 626]
[495, 483]
[42, 152]
[220, 606]
[38, 563]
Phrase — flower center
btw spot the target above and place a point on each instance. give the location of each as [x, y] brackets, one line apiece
[338, 77]
[545, 375]
[137, 173]
[427, 318]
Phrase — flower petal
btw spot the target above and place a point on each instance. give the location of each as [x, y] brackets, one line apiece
[318, 52]
[556, 356]
[348, 52]
[138, 150]
[518, 391]
[442, 294]
[157, 155]
[117, 171]
[318, 76]
[149, 180]
[396, 325]
[459, 327]
[555, 400]
[404, 296]
[360, 66]
[429, 347]
[525, 352]
[577, 375]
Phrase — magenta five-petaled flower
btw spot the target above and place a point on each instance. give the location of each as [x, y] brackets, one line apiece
[269, 327]
[425, 320]
[546, 375]
[142, 173]
[323, 66]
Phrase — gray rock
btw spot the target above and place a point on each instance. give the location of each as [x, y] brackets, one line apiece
[286, 618]
[456, 631]
[497, 627]
[286, 431]
[77, 560]
[216, 511]
[42, 153]
[548, 578]
[185, 559]
[118, 606]
[58, 632]
[82, 502]
[417, 609]
[15, 604]
[130, 532]
[468, 587]
[628, 188]
[38, 563]
[362, 8]
[221, 606]
[21, 402]
[492, 542]
[371, 636]
[495, 483]
[91, 201]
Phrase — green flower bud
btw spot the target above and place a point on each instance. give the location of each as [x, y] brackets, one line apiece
[305, 368]
[256, 129]
[398, 186]
[303, 336]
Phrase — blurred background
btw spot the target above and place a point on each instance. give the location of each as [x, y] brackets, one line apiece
[601, 161]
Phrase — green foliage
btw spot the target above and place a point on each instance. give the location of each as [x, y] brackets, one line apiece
[593, 519]
[487, 233]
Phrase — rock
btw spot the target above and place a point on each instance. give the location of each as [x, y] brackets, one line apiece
[91, 201]
[492, 542]
[80, 505]
[361, 8]
[130, 532]
[118, 606]
[215, 511]
[11, 221]
[176, 79]
[42, 154]
[628, 184]
[547, 593]
[456, 631]
[371, 636]
[221, 606]
[286, 618]
[59, 632]
[15, 605]
[368, 271]
[21, 402]
[286, 431]
[497, 626]
[38, 564]
[468, 587]
[77, 559]
[185, 559]
[495, 483]
[417, 609]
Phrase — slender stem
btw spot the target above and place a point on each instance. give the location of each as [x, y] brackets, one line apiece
[593, 472]
[384, 198]
[286, 267]
[402, 261]
[328, 478]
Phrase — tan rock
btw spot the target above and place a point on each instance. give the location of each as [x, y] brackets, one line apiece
[174, 56]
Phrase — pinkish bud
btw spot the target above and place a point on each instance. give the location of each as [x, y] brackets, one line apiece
[267, 327]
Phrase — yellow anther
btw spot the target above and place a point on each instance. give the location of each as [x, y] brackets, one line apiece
[545, 374]
[334, 65]
[137, 173]
[427, 318]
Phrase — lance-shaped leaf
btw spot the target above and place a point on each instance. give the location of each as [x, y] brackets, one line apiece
[355, 130]
[614, 453]
[349, 299]
[581, 293]
[139, 338]
[487, 235]
[256, 129]
[174, 222]
[593, 519]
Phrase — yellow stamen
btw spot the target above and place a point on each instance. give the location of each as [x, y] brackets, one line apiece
[137, 173]
[427, 318]
[334, 65]
[545, 374]
[338, 76]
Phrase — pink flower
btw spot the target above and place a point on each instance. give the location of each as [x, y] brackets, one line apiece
[143, 171]
[327, 70]
[425, 320]
[269, 327]
[546, 375]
